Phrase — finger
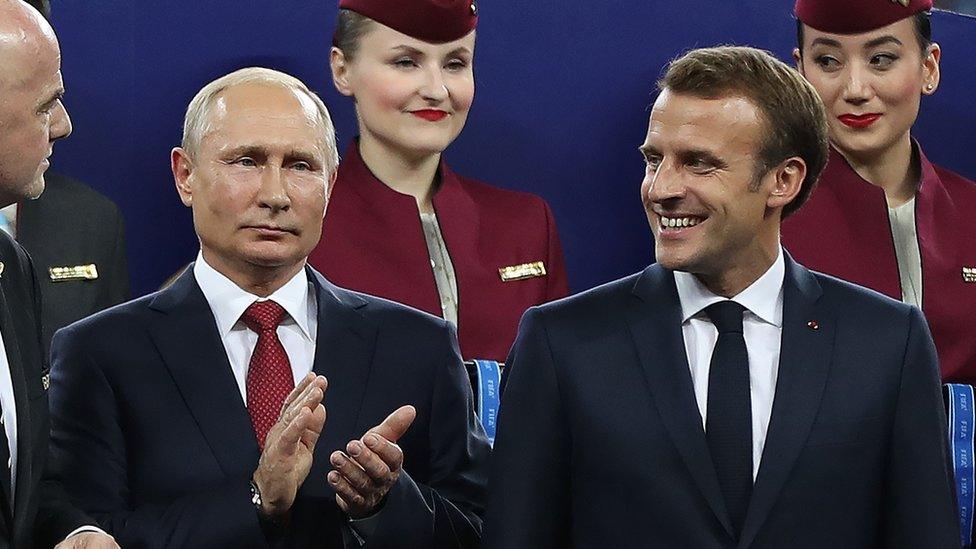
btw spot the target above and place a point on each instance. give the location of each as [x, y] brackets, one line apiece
[303, 390]
[373, 465]
[315, 425]
[309, 398]
[396, 424]
[287, 443]
[352, 472]
[343, 504]
[299, 389]
[345, 490]
[391, 454]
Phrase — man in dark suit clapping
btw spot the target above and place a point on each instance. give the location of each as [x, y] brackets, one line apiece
[199, 416]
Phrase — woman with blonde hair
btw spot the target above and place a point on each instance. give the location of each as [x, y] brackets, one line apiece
[401, 224]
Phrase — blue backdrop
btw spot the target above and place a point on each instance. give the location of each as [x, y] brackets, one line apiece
[563, 90]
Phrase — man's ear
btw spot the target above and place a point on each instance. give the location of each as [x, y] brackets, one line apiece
[788, 182]
[340, 71]
[328, 191]
[182, 167]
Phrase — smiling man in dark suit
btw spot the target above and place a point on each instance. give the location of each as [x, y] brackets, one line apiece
[725, 396]
[192, 417]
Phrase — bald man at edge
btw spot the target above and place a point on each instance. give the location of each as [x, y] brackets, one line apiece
[33, 511]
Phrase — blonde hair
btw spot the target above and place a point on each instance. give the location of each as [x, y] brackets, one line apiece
[197, 120]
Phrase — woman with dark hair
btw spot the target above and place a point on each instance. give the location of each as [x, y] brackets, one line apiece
[883, 216]
[400, 223]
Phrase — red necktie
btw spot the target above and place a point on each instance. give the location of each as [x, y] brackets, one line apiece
[269, 377]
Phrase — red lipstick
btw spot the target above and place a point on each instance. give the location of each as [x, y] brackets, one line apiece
[859, 121]
[431, 115]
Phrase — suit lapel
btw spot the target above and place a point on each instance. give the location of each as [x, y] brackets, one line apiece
[187, 339]
[21, 337]
[804, 363]
[12, 346]
[344, 347]
[654, 318]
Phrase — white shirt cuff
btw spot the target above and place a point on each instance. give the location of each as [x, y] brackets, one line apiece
[86, 528]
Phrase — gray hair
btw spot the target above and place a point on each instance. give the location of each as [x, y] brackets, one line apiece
[197, 121]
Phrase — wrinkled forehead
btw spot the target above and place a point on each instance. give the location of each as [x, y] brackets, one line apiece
[265, 113]
[684, 119]
[33, 67]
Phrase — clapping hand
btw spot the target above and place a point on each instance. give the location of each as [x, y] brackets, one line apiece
[290, 445]
[365, 472]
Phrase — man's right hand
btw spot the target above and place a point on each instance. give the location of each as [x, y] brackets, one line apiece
[289, 446]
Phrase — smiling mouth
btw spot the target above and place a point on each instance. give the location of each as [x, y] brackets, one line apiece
[431, 115]
[667, 223]
[859, 121]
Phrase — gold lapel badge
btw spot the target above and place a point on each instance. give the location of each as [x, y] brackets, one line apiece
[523, 271]
[904, 3]
[969, 274]
[78, 272]
[46, 381]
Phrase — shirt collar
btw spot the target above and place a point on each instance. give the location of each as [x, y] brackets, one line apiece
[228, 301]
[763, 298]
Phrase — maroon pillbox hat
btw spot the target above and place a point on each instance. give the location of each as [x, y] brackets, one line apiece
[856, 16]
[435, 21]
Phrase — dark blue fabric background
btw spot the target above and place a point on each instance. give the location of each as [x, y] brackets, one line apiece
[563, 90]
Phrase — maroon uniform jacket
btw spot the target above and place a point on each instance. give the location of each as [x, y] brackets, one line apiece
[373, 242]
[844, 231]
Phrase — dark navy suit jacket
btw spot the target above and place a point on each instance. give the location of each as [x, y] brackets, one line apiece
[40, 515]
[72, 224]
[600, 441]
[151, 435]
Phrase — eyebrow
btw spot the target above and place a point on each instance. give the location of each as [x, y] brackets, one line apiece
[707, 156]
[410, 49]
[262, 152]
[55, 97]
[459, 50]
[647, 151]
[873, 43]
[886, 39]
[820, 41]
[686, 154]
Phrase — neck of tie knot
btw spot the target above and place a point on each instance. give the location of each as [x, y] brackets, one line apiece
[726, 316]
[263, 316]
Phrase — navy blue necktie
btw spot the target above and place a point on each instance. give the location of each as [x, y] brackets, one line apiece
[728, 425]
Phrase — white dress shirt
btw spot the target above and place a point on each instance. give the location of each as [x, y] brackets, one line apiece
[296, 331]
[762, 328]
[9, 421]
[9, 418]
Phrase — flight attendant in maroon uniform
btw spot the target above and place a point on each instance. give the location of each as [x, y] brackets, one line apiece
[883, 216]
[400, 223]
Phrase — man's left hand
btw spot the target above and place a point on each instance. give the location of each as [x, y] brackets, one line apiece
[365, 472]
[88, 540]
